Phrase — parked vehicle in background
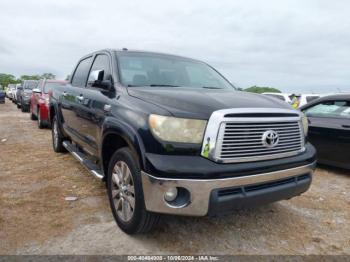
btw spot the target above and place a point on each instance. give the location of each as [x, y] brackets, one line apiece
[9, 89]
[23, 97]
[2, 96]
[306, 98]
[16, 94]
[329, 129]
[171, 135]
[13, 92]
[281, 96]
[39, 101]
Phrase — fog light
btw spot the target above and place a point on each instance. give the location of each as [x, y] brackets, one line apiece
[170, 194]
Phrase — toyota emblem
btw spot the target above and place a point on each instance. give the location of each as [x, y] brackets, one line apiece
[270, 138]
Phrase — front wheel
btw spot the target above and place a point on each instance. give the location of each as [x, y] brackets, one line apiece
[23, 109]
[40, 122]
[32, 116]
[57, 137]
[126, 195]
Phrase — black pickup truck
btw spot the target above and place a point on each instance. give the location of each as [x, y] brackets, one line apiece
[170, 135]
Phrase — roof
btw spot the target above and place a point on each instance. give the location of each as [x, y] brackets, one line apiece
[125, 50]
[344, 96]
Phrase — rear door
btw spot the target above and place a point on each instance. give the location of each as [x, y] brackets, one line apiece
[69, 97]
[329, 131]
[94, 105]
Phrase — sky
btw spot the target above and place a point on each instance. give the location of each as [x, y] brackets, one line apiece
[293, 45]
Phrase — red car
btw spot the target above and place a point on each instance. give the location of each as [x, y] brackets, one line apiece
[39, 101]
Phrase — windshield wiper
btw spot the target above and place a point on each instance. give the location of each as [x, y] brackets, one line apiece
[153, 85]
[163, 85]
[211, 87]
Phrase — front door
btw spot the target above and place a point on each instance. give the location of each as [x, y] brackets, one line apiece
[94, 104]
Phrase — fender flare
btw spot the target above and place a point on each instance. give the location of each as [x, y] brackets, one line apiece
[126, 132]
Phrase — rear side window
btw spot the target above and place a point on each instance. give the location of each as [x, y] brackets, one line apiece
[335, 109]
[81, 72]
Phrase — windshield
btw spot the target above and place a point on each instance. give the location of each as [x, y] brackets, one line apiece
[49, 86]
[30, 85]
[146, 69]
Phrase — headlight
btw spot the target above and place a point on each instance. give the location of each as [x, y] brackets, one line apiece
[305, 122]
[175, 129]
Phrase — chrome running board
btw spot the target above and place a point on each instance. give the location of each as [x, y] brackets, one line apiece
[87, 163]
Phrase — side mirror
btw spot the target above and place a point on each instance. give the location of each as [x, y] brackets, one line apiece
[96, 80]
[36, 90]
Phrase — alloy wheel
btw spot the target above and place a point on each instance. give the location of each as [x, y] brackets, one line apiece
[123, 191]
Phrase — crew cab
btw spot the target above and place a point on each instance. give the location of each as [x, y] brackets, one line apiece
[39, 101]
[170, 135]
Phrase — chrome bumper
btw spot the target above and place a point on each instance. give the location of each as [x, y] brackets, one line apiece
[200, 190]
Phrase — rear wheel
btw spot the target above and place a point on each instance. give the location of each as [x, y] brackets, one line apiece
[126, 195]
[57, 137]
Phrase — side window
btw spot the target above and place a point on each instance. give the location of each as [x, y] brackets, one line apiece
[81, 72]
[101, 62]
[336, 109]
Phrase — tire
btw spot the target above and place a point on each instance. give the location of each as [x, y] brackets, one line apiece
[18, 105]
[140, 220]
[40, 123]
[32, 116]
[22, 107]
[57, 137]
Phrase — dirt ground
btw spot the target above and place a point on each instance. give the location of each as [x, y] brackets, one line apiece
[35, 218]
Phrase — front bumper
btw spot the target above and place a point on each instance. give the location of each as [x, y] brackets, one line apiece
[25, 101]
[216, 196]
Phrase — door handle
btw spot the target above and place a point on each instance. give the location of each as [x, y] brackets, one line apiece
[346, 126]
[64, 93]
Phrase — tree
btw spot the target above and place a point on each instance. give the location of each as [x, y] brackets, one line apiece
[6, 79]
[30, 77]
[48, 76]
[258, 89]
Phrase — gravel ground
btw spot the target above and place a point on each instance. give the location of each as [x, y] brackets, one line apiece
[35, 218]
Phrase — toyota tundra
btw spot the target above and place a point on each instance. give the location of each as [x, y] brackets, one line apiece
[171, 135]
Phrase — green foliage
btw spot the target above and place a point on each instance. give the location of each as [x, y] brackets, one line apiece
[258, 89]
[6, 79]
[30, 77]
[48, 76]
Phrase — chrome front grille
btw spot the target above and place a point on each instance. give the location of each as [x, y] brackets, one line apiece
[249, 134]
[245, 141]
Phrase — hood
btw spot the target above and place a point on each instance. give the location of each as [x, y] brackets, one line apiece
[27, 91]
[200, 103]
